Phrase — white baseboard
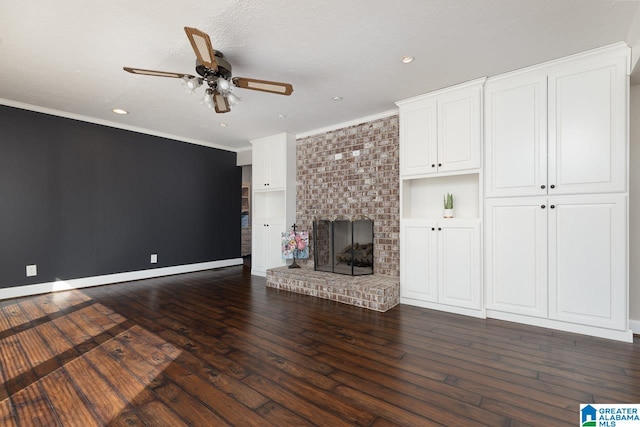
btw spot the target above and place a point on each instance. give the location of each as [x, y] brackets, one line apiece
[634, 325]
[618, 335]
[85, 282]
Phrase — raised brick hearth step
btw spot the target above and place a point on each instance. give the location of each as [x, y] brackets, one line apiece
[374, 292]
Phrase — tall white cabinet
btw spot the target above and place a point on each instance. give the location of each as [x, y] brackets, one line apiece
[556, 188]
[274, 194]
[440, 152]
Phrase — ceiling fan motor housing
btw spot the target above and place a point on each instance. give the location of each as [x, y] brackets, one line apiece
[224, 68]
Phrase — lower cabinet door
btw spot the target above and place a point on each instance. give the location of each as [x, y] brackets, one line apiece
[418, 259]
[266, 245]
[516, 255]
[587, 260]
[459, 264]
[273, 234]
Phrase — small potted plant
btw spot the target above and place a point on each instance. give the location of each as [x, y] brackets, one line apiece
[448, 205]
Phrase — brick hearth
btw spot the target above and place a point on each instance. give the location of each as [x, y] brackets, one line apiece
[374, 292]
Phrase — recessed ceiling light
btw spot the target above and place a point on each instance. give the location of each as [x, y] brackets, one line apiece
[337, 98]
[120, 111]
[223, 125]
[407, 59]
[282, 116]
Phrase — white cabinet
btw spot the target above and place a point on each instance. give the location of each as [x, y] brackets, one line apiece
[588, 127]
[516, 255]
[558, 257]
[418, 137]
[558, 129]
[266, 253]
[440, 265]
[556, 183]
[440, 132]
[516, 135]
[269, 169]
[587, 260]
[274, 194]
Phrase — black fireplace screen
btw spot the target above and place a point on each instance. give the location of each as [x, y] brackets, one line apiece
[344, 247]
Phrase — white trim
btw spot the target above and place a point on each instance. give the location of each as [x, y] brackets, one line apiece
[85, 282]
[471, 83]
[615, 49]
[65, 114]
[443, 307]
[342, 125]
[612, 334]
[634, 325]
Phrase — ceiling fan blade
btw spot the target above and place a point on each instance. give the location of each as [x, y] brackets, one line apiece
[263, 85]
[201, 45]
[220, 103]
[157, 73]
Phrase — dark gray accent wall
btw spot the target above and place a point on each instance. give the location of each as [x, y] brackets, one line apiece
[80, 200]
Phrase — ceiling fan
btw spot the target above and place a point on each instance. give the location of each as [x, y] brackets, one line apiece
[215, 71]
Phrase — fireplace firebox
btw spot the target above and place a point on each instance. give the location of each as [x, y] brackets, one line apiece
[343, 246]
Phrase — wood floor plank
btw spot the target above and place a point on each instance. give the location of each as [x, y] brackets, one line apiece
[190, 409]
[294, 402]
[71, 408]
[7, 415]
[320, 397]
[105, 402]
[217, 347]
[32, 408]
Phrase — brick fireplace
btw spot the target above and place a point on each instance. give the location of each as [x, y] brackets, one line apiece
[355, 186]
[363, 183]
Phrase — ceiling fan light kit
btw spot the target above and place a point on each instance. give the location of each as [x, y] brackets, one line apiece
[215, 71]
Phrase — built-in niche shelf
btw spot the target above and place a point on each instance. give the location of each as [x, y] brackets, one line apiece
[422, 198]
[269, 204]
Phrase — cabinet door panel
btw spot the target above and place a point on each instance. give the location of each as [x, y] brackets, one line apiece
[587, 128]
[418, 136]
[459, 265]
[516, 256]
[587, 267]
[274, 244]
[260, 168]
[418, 275]
[516, 136]
[277, 163]
[459, 130]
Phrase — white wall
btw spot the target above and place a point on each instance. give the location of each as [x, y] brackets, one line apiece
[634, 210]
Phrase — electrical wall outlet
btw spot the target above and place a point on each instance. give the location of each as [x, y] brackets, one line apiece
[338, 156]
[32, 270]
[154, 258]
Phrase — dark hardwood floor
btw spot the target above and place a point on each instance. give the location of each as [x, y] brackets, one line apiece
[217, 348]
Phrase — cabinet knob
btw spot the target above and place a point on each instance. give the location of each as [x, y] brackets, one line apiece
[439, 229]
[552, 186]
[433, 165]
[433, 229]
[543, 186]
[552, 206]
[542, 206]
[439, 164]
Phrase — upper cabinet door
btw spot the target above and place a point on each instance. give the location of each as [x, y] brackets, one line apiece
[516, 136]
[459, 129]
[269, 163]
[276, 153]
[418, 138]
[587, 127]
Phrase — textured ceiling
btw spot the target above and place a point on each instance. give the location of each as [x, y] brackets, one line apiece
[68, 56]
